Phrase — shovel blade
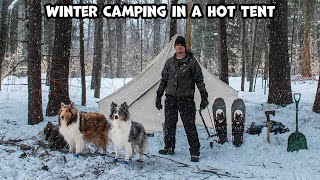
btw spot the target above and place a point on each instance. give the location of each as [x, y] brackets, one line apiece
[296, 141]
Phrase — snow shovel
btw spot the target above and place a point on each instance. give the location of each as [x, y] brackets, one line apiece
[205, 125]
[296, 140]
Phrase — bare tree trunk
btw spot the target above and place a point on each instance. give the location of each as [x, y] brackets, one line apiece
[173, 23]
[297, 38]
[203, 46]
[266, 61]
[48, 34]
[256, 76]
[316, 104]
[13, 41]
[167, 31]
[306, 52]
[119, 37]
[188, 27]
[89, 47]
[243, 53]
[223, 48]
[253, 56]
[261, 46]
[82, 65]
[35, 114]
[113, 47]
[293, 31]
[95, 53]
[118, 43]
[3, 33]
[98, 60]
[250, 33]
[318, 40]
[306, 58]
[141, 46]
[8, 33]
[280, 92]
[59, 87]
[89, 36]
[146, 42]
[266, 69]
[108, 61]
[156, 35]
[300, 36]
[50, 50]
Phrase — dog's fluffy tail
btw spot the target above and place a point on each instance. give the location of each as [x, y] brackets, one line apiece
[145, 143]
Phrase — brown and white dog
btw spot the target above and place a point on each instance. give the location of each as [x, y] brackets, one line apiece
[126, 134]
[81, 128]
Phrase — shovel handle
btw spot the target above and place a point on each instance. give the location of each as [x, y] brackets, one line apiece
[297, 97]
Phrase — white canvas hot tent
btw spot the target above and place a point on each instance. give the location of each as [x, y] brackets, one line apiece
[140, 94]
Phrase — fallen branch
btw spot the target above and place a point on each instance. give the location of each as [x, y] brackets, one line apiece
[40, 143]
[25, 147]
[45, 153]
[34, 150]
[9, 150]
[13, 69]
[212, 171]
[14, 142]
[178, 162]
[209, 171]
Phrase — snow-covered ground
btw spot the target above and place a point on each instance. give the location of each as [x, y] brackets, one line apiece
[255, 159]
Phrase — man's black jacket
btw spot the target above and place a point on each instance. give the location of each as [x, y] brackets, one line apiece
[179, 77]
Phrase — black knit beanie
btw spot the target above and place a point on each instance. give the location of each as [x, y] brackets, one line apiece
[180, 40]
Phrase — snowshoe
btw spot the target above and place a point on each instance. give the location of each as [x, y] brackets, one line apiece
[220, 120]
[238, 111]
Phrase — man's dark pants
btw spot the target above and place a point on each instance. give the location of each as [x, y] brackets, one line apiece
[186, 107]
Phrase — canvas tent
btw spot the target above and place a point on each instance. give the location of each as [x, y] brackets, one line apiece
[140, 94]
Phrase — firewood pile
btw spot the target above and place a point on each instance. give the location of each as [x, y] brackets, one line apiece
[54, 138]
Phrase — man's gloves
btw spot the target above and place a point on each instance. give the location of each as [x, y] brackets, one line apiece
[158, 102]
[204, 99]
[204, 103]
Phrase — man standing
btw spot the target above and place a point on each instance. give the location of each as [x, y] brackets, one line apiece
[179, 76]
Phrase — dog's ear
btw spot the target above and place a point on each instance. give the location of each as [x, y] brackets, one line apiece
[72, 104]
[125, 105]
[113, 106]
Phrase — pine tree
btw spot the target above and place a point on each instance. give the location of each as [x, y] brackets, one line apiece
[280, 92]
[59, 87]
[223, 48]
[35, 114]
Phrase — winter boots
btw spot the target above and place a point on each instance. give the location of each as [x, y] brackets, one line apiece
[195, 158]
[170, 150]
[166, 151]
